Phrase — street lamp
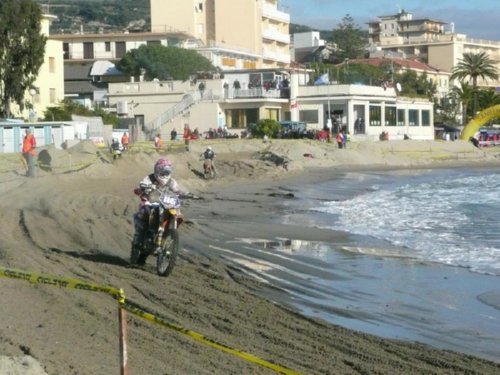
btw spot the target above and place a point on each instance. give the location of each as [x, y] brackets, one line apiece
[32, 114]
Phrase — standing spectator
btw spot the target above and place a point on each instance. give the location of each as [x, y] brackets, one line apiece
[187, 136]
[125, 141]
[201, 87]
[173, 135]
[158, 142]
[340, 138]
[211, 133]
[236, 87]
[356, 126]
[344, 139]
[29, 145]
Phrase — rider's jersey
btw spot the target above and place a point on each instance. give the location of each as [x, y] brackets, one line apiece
[209, 154]
[150, 180]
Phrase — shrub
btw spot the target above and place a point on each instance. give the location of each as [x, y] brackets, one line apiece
[266, 127]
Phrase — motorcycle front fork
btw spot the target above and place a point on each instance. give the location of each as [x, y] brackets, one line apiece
[165, 224]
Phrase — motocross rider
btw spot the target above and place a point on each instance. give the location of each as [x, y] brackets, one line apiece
[161, 181]
[209, 154]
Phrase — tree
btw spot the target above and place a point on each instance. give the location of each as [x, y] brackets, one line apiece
[22, 49]
[473, 66]
[464, 95]
[350, 40]
[69, 107]
[266, 127]
[164, 62]
[488, 98]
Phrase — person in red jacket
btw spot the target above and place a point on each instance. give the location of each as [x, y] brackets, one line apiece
[29, 145]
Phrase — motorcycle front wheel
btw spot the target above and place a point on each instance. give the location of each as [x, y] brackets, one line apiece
[165, 260]
[136, 256]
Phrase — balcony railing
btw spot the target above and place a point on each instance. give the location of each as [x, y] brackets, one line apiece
[273, 34]
[276, 56]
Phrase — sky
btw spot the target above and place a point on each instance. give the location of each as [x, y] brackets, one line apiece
[478, 19]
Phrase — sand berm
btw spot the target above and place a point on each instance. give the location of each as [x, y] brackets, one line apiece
[76, 221]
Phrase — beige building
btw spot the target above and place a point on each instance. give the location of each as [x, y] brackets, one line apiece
[432, 41]
[363, 111]
[48, 88]
[234, 34]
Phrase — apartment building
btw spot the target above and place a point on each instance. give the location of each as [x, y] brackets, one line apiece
[432, 41]
[308, 47]
[235, 34]
[48, 88]
[89, 59]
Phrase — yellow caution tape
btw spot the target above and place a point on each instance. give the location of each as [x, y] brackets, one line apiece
[63, 282]
[133, 308]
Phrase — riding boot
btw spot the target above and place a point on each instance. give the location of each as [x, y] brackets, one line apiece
[138, 240]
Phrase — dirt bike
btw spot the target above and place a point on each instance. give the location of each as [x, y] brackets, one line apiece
[116, 150]
[162, 236]
[208, 169]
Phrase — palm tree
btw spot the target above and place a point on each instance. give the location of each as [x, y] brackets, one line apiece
[463, 94]
[472, 66]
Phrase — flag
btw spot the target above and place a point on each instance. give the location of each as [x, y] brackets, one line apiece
[322, 80]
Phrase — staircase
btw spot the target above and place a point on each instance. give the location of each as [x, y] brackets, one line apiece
[187, 101]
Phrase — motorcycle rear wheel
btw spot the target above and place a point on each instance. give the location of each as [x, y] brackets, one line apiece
[165, 261]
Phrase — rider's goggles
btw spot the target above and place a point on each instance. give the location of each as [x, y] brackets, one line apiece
[164, 173]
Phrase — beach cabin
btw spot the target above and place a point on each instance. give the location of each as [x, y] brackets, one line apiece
[46, 133]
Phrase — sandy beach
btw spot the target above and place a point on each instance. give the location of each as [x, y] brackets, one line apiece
[76, 221]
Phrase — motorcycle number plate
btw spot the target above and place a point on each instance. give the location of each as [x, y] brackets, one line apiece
[172, 211]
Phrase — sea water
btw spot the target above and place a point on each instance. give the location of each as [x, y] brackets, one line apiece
[419, 258]
[450, 217]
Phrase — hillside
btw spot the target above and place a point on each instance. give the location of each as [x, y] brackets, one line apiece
[97, 15]
[112, 15]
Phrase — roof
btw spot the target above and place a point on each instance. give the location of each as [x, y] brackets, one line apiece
[104, 67]
[81, 87]
[404, 63]
[120, 36]
[77, 70]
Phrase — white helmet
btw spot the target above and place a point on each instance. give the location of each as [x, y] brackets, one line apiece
[163, 171]
[209, 148]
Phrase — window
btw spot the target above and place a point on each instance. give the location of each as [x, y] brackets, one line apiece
[401, 117]
[52, 96]
[120, 49]
[107, 46]
[66, 51]
[375, 116]
[426, 118]
[88, 50]
[139, 120]
[390, 116]
[309, 116]
[271, 113]
[413, 117]
[240, 118]
[52, 65]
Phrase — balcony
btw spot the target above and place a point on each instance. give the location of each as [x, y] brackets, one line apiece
[272, 12]
[276, 56]
[276, 35]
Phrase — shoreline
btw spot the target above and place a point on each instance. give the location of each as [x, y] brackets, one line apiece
[269, 233]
